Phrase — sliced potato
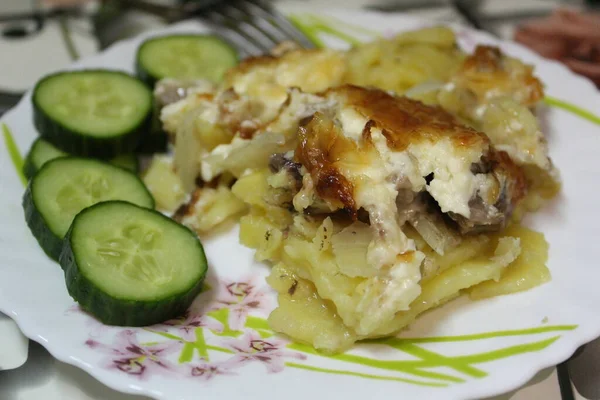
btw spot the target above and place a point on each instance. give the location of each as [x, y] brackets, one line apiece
[210, 208]
[448, 285]
[527, 271]
[304, 316]
[164, 184]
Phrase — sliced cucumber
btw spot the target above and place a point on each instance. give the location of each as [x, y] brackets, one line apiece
[99, 113]
[65, 186]
[41, 152]
[184, 57]
[131, 266]
[128, 161]
[155, 140]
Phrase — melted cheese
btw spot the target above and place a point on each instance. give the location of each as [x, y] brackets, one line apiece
[268, 78]
[453, 183]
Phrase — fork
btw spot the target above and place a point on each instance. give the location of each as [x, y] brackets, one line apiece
[252, 26]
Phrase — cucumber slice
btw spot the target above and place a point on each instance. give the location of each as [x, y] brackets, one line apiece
[128, 161]
[131, 266]
[156, 139]
[184, 57]
[41, 152]
[65, 186]
[98, 113]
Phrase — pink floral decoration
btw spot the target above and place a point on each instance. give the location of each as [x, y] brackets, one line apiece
[206, 372]
[188, 323]
[131, 357]
[251, 346]
[241, 298]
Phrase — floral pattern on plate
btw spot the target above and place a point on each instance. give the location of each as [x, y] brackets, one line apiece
[223, 319]
[221, 333]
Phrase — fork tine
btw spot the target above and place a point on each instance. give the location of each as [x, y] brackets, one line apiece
[223, 27]
[243, 22]
[260, 21]
[253, 26]
[268, 13]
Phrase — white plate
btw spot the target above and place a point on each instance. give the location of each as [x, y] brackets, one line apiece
[14, 346]
[463, 350]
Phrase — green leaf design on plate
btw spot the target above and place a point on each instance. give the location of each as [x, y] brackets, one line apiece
[315, 27]
[572, 108]
[361, 375]
[397, 342]
[13, 152]
[420, 369]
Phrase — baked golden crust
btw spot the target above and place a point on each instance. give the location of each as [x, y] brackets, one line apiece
[404, 121]
[489, 73]
[339, 162]
[321, 145]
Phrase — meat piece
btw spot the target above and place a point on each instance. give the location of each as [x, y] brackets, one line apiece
[169, 91]
[491, 208]
[281, 161]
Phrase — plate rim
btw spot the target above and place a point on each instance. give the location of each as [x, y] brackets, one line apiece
[583, 334]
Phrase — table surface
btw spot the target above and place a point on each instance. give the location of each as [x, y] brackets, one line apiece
[29, 371]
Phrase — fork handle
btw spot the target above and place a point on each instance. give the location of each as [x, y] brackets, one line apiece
[170, 13]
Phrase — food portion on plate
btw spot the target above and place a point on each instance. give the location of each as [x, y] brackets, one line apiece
[379, 182]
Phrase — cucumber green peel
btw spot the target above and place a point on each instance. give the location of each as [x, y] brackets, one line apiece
[65, 186]
[99, 113]
[184, 57]
[128, 265]
[41, 152]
